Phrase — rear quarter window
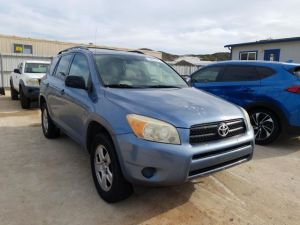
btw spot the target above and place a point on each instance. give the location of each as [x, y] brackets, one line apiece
[295, 71]
[264, 72]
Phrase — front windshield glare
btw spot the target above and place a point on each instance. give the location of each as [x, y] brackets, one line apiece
[136, 71]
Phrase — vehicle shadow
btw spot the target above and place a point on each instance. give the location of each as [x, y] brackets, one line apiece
[285, 145]
[57, 178]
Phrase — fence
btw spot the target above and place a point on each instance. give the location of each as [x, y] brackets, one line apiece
[185, 70]
[8, 62]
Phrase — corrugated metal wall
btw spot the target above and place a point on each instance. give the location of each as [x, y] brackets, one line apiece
[11, 61]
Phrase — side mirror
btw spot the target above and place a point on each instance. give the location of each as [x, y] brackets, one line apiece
[75, 82]
[17, 71]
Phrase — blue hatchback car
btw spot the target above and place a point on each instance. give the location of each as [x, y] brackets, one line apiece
[139, 120]
[269, 91]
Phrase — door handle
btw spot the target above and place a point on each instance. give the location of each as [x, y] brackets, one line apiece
[62, 92]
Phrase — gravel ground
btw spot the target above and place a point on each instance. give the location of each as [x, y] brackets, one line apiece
[49, 182]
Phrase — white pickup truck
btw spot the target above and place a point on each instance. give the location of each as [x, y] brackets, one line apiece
[25, 81]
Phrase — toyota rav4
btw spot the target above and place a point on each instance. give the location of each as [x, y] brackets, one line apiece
[139, 120]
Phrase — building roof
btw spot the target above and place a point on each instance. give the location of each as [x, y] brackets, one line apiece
[267, 41]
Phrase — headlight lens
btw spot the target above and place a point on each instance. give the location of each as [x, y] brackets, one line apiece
[153, 130]
[32, 82]
[247, 118]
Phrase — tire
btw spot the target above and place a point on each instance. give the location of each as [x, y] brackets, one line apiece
[266, 126]
[25, 102]
[13, 92]
[105, 167]
[49, 129]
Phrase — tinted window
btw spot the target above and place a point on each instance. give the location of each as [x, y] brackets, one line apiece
[53, 65]
[63, 66]
[239, 73]
[264, 72]
[209, 74]
[80, 67]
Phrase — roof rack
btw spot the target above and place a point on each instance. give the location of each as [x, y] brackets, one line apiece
[136, 51]
[95, 47]
[74, 47]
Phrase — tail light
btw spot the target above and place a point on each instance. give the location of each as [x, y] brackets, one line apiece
[294, 89]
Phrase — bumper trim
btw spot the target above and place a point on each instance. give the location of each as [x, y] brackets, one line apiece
[212, 169]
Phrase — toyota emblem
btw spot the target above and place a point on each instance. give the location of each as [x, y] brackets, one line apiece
[223, 130]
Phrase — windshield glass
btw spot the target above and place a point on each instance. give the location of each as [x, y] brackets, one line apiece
[36, 67]
[136, 71]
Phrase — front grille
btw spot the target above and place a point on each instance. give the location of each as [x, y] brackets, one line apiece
[209, 131]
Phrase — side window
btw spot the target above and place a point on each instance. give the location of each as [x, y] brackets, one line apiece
[63, 67]
[239, 73]
[80, 67]
[264, 72]
[53, 65]
[209, 74]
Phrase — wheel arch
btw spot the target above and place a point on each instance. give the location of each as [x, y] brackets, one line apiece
[95, 127]
[271, 107]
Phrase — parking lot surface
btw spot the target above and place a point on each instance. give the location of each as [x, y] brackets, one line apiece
[49, 182]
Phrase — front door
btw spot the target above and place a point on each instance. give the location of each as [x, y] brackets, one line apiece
[272, 55]
[77, 101]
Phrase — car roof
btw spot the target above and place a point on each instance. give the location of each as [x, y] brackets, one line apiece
[103, 51]
[255, 63]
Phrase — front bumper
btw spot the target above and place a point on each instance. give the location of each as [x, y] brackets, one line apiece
[31, 92]
[176, 164]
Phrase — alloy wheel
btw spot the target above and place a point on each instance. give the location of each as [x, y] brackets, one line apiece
[103, 168]
[45, 120]
[263, 125]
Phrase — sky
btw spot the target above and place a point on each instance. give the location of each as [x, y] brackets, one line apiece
[174, 26]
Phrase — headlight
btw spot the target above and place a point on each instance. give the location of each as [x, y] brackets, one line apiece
[247, 118]
[153, 130]
[32, 82]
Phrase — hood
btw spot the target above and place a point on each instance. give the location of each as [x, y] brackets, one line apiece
[35, 75]
[182, 107]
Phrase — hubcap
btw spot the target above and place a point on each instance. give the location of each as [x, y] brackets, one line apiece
[45, 120]
[263, 125]
[103, 169]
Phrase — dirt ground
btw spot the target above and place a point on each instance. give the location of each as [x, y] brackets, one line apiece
[49, 182]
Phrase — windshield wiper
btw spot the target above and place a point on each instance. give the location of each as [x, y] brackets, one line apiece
[163, 86]
[121, 86]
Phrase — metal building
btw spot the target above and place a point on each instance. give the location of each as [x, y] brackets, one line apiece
[283, 50]
[14, 49]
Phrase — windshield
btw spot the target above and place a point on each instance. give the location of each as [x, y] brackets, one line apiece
[130, 71]
[36, 67]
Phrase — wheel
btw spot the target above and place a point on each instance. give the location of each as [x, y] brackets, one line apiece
[106, 171]
[25, 102]
[49, 129]
[266, 126]
[13, 92]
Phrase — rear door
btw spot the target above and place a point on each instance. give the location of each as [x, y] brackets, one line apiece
[55, 89]
[240, 84]
[206, 79]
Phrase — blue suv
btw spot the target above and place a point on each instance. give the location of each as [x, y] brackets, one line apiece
[139, 120]
[269, 91]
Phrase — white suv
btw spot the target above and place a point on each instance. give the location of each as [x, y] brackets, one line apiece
[25, 80]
